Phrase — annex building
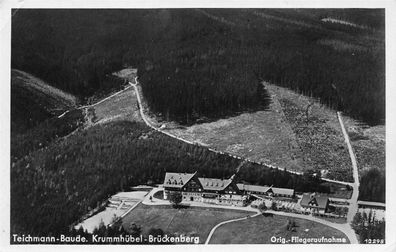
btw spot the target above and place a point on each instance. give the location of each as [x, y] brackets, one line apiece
[269, 191]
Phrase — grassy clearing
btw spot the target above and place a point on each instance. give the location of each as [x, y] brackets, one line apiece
[122, 106]
[280, 135]
[369, 147]
[368, 143]
[262, 136]
[127, 73]
[319, 137]
[260, 229]
[194, 221]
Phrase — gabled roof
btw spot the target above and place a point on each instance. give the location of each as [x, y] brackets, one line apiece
[213, 184]
[253, 188]
[315, 201]
[283, 191]
[177, 180]
[264, 189]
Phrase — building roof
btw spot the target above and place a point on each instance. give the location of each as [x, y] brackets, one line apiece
[283, 191]
[177, 180]
[371, 203]
[311, 200]
[253, 188]
[264, 189]
[213, 184]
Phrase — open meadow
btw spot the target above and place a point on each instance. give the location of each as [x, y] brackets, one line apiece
[260, 229]
[122, 106]
[318, 133]
[259, 84]
[192, 221]
[282, 135]
[262, 136]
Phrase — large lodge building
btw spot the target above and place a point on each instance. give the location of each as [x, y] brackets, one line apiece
[216, 191]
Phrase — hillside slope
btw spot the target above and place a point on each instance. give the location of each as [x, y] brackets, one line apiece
[203, 65]
[52, 187]
[33, 101]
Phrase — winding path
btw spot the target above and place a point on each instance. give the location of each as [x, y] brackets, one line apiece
[353, 207]
[225, 222]
[97, 103]
[345, 228]
[148, 123]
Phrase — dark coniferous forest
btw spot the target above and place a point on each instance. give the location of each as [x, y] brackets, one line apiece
[53, 187]
[193, 66]
[206, 64]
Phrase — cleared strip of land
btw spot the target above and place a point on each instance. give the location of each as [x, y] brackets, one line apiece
[318, 133]
[122, 106]
[262, 136]
[368, 144]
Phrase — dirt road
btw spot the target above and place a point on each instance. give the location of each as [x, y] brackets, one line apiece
[346, 228]
[353, 207]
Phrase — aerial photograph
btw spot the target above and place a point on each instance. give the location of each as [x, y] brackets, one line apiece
[197, 126]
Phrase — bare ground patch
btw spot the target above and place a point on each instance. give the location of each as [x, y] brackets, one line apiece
[122, 106]
[262, 136]
[127, 73]
[368, 144]
[320, 137]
